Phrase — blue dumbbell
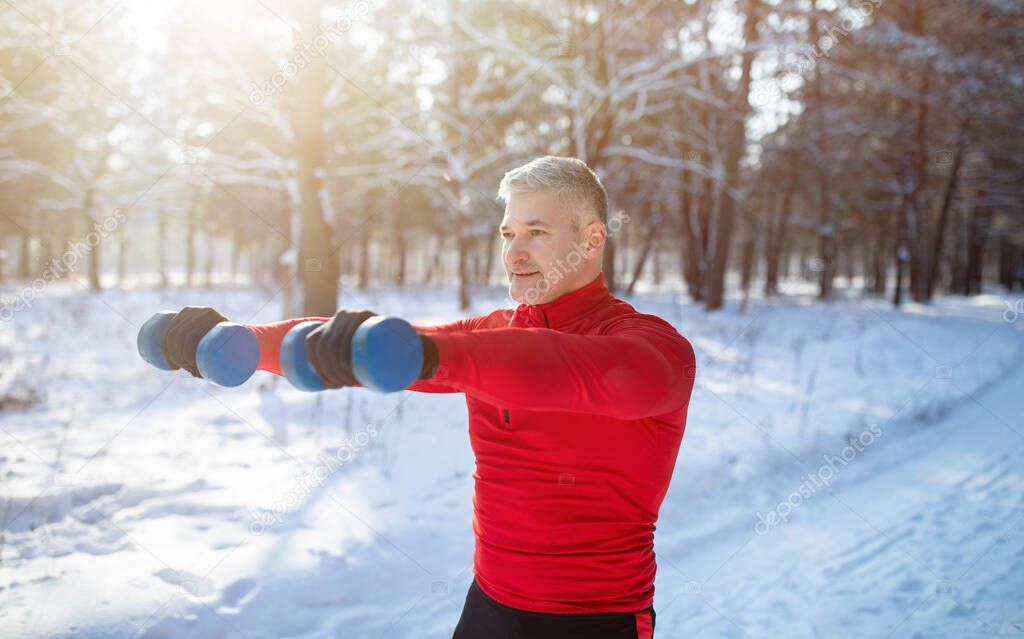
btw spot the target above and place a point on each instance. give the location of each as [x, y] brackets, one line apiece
[387, 355]
[227, 355]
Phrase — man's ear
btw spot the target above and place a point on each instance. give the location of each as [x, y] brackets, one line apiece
[597, 235]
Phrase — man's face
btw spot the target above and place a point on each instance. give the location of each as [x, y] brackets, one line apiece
[544, 256]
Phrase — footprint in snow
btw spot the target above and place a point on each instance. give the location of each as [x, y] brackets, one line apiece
[190, 583]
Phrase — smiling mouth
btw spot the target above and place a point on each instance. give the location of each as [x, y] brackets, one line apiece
[530, 274]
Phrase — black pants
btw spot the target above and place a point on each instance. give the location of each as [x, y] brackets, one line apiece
[485, 618]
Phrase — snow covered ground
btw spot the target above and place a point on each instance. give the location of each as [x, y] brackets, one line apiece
[138, 503]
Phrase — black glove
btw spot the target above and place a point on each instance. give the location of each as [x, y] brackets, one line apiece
[430, 358]
[329, 348]
[183, 333]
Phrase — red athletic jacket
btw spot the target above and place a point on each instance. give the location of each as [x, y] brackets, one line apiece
[576, 413]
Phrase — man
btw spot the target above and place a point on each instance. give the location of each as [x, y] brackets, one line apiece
[577, 406]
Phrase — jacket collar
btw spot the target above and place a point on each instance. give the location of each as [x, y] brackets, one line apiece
[565, 310]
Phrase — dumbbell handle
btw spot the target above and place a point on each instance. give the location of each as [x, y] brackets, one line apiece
[227, 355]
[386, 355]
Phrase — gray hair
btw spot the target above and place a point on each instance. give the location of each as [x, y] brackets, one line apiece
[570, 178]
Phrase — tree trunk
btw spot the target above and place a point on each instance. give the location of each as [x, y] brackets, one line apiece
[749, 252]
[957, 276]
[93, 258]
[880, 266]
[778, 228]
[734, 154]
[849, 260]
[191, 230]
[464, 244]
[692, 257]
[364, 258]
[918, 232]
[25, 256]
[656, 264]
[1007, 262]
[161, 249]
[608, 265]
[400, 252]
[318, 263]
[211, 247]
[1018, 280]
[434, 265]
[122, 250]
[826, 222]
[900, 252]
[489, 260]
[641, 260]
[947, 201]
[94, 253]
[236, 253]
[87, 206]
[478, 261]
[977, 238]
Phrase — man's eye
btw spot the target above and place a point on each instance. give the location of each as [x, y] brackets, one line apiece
[536, 233]
[507, 236]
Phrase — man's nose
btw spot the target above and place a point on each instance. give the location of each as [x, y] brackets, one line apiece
[514, 254]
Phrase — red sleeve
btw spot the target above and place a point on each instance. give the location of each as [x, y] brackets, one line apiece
[640, 367]
[270, 337]
[437, 385]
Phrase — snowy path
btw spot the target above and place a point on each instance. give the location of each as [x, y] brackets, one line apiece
[924, 540]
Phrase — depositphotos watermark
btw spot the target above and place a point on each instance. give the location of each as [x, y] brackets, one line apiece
[764, 91]
[310, 49]
[57, 268]
[830, 38]
[571, 262]
[1013, 311]
[817, 480]
[304, 485]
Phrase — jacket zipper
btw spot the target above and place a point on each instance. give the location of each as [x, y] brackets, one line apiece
[508, 418]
